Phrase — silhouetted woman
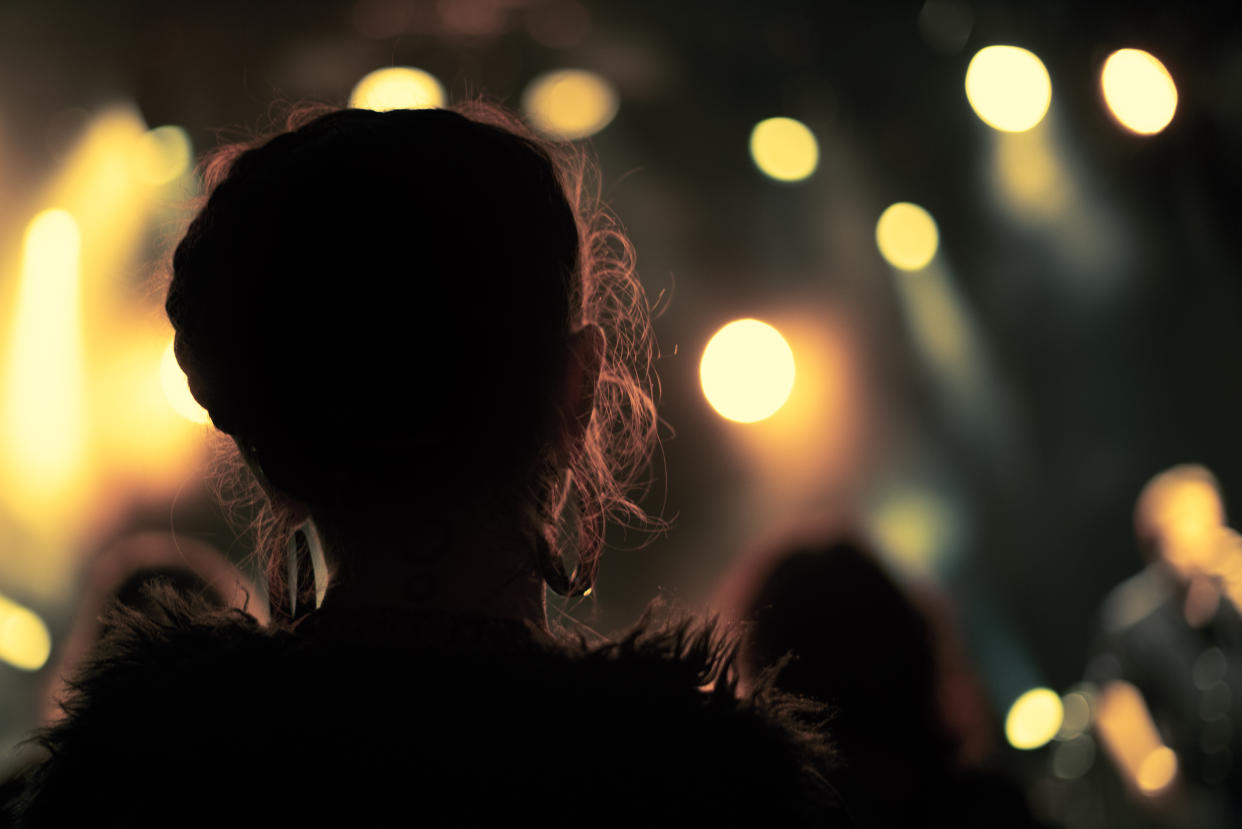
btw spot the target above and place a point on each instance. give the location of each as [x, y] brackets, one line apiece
[431, 350]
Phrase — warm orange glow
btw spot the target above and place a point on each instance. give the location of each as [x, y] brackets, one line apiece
[25, 642]
[1139, 91]
[397, 87]
[177, 389]
[76, 271]
[1180, 512]
[1034, 718]
[747, 371]
[1127, 732]
[814, 447]
[569, 104]
[44, 425]
[1157, 771]
[1008, 88]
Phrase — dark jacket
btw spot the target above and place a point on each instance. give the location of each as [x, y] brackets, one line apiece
[192, 716]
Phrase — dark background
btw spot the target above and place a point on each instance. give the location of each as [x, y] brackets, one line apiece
[1108, 366]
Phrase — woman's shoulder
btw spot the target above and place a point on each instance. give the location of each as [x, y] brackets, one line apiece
[189, 699]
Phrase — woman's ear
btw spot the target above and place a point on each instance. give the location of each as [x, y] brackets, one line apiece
[585, 359]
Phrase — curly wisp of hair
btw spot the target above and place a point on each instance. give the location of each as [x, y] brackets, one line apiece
[377, 308]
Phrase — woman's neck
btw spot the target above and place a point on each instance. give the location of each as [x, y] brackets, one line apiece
[455, 568]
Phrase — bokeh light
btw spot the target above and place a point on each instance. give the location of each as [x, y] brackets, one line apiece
[1126, 730]
[398, 87]
[177, 389]
[914, 527]
[907, 236]
[784, 149]
[747, 371]
[25, 642]
[1034, 718]
[1077, 715]
[1073, 758]
[568, 104]
[1157, 771]
[162, 155]
[1008, 88]
[1139, 91]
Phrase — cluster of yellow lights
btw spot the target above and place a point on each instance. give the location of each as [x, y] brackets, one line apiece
[1139, 91]
[907, 236]
[397, 87]
[162, 155]
[784, 149]
[747, 371]
[177, 389]
[25, 642]
[1008, 87]
[1034, 718]
[568, 104]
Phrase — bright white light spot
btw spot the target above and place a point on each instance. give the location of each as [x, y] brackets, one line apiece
[907, 236]
[1034, 718]
[397, 87]
[177, 389]
[747, 371]
[1008, 88]
[162, 154]
[1139, 91]
[784, 149]
[569, 104]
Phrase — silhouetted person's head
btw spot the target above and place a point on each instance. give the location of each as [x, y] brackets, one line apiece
[855, 641]
[419, 317]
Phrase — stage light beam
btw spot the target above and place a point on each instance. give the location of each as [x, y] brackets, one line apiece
[1008, 88]
[784, 149]
[907, 236]
[397, 87]
[1034, 719]
[569, 104]
[1139, 91]
[747, 371]
[44, 425]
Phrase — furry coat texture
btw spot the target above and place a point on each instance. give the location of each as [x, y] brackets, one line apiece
[193, 716]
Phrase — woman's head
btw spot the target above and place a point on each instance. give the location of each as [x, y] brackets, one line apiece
[383, 308]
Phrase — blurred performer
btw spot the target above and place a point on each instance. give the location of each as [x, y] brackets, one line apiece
[429, 345]
[1170, 654]
[835, 627]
